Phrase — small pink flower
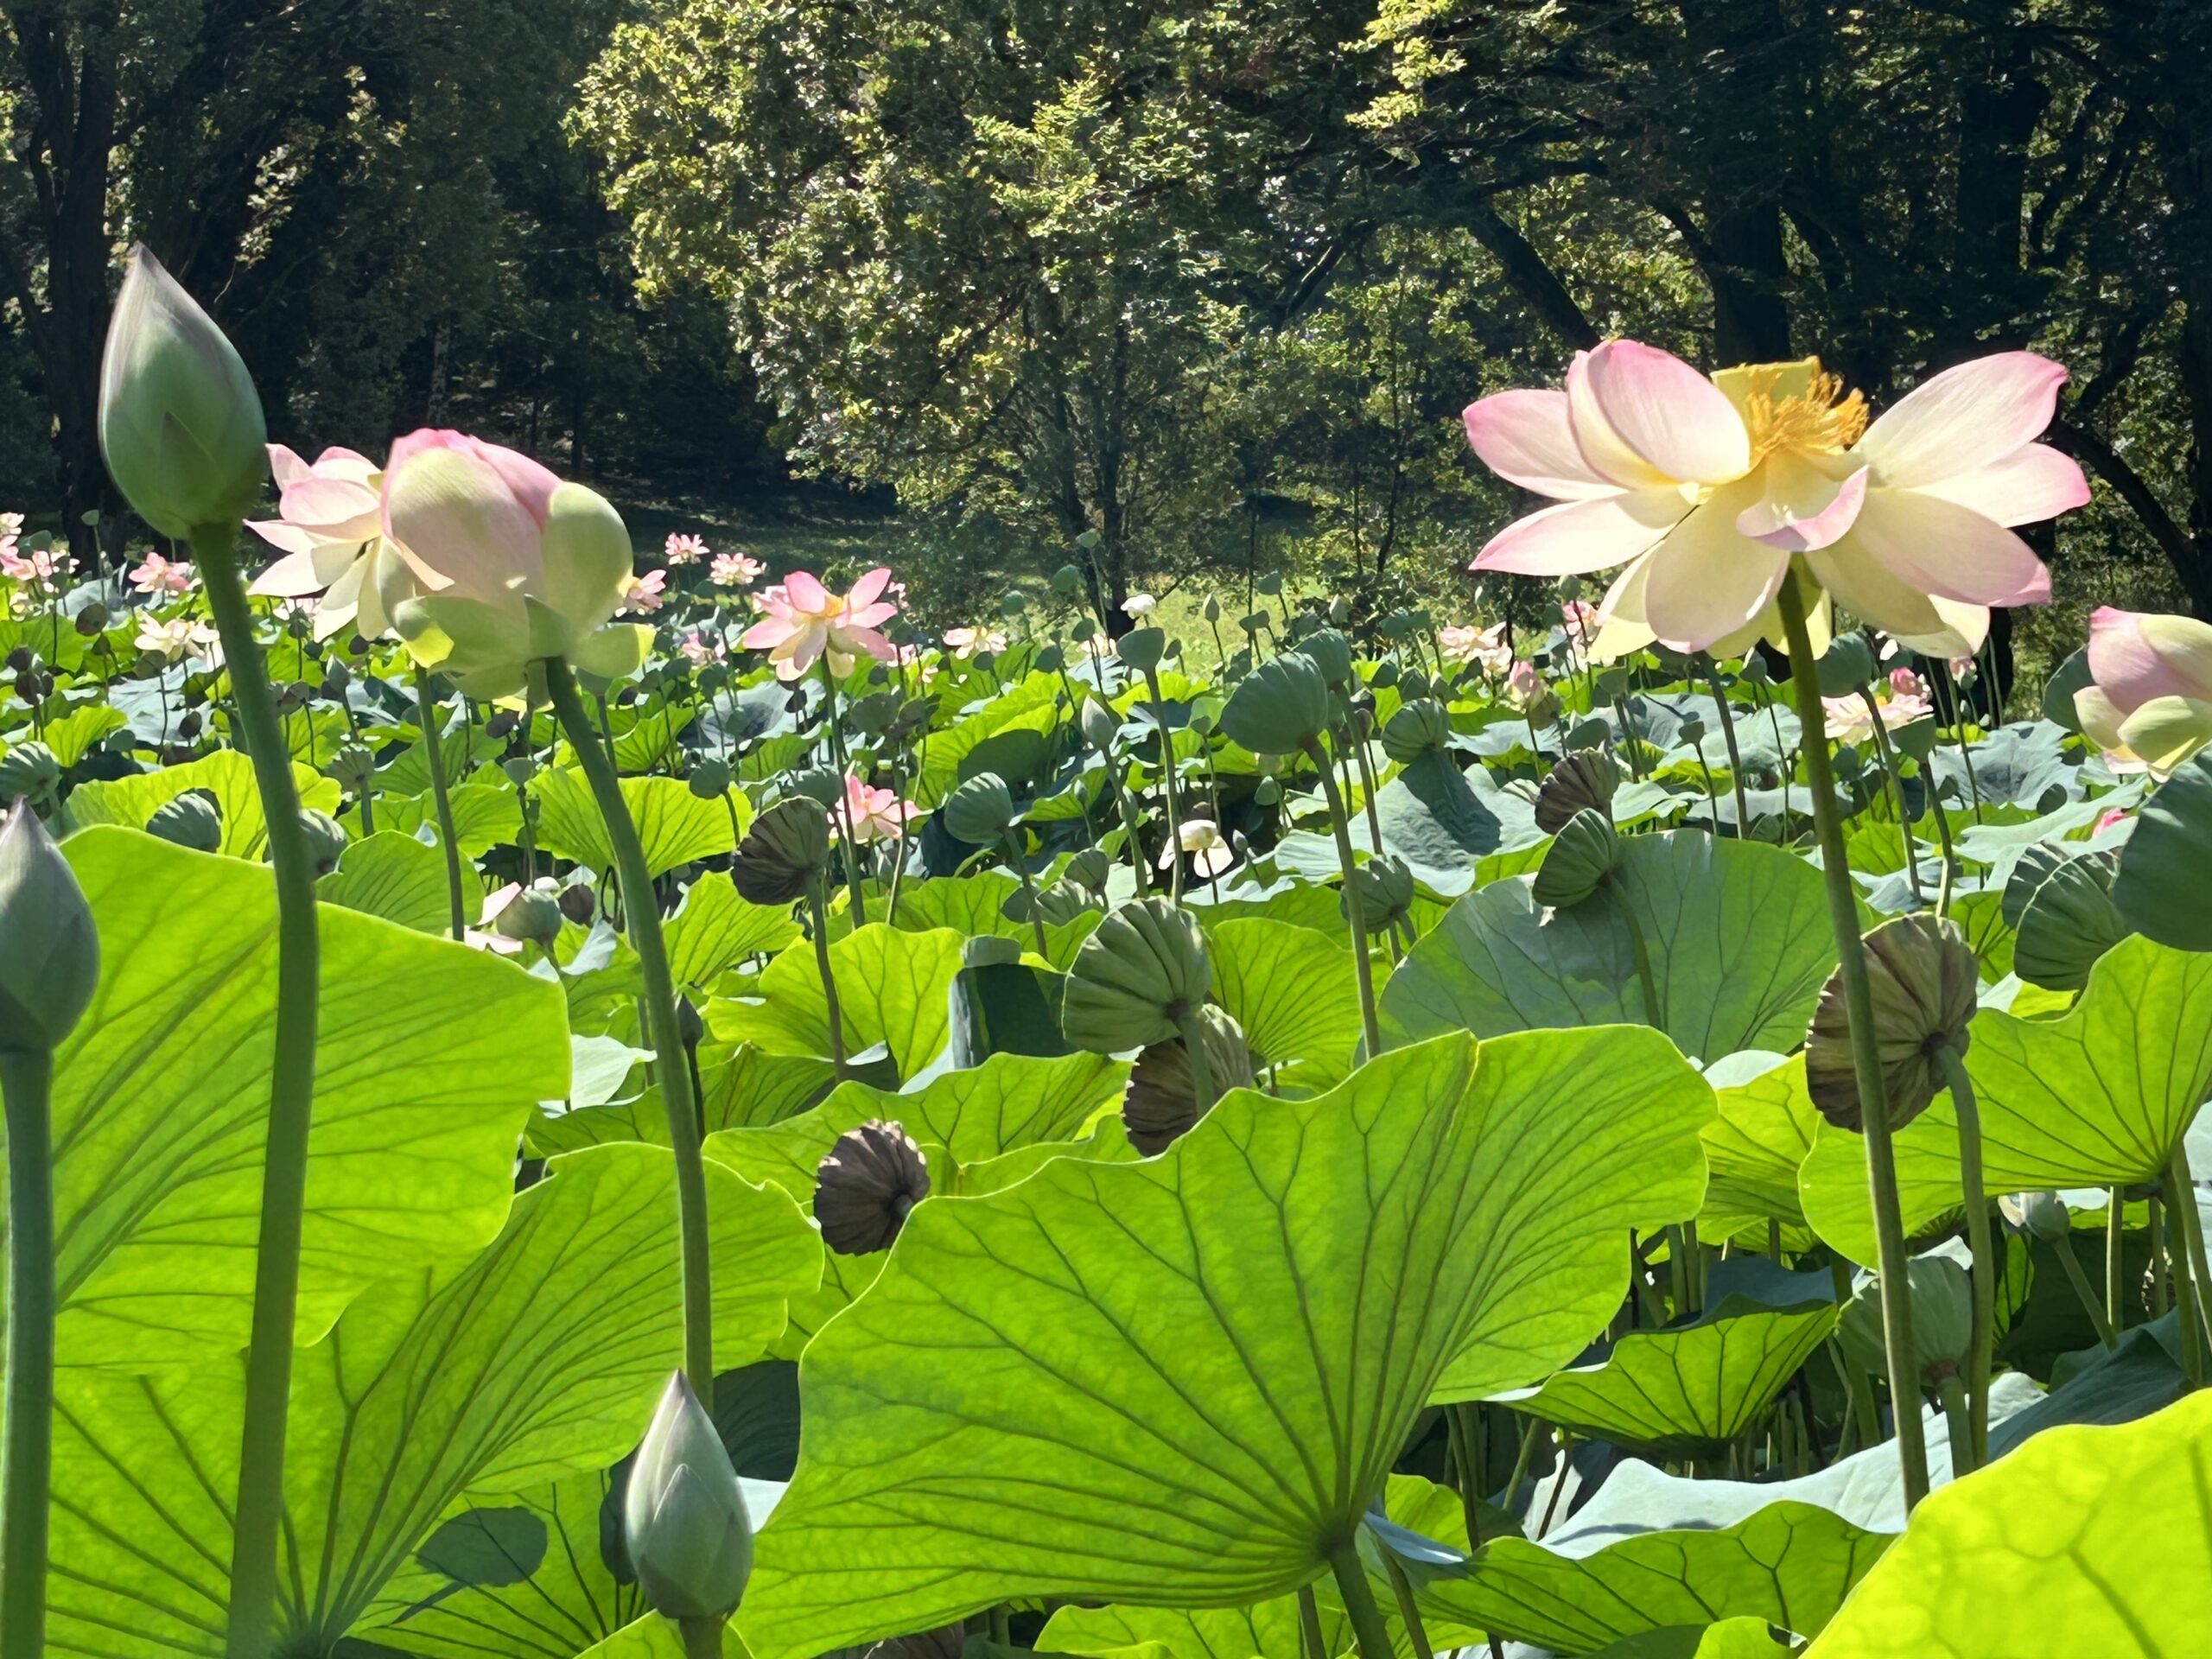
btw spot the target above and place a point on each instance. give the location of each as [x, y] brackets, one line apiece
[735, 570]
[645, 593]
[160, 576]
[966, 642]
[1579, 618]
[39, 568]
[1964, 670]
[2118, 815]
[1906, 684]
[684, 550]
[801, 621]
[876, 814]
[1523, 684]
[697, 648]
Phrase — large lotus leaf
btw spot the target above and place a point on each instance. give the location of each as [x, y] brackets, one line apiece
[2085, 1541]
[1268, 1630]
[1980, 916]
[1586, 1586]
[1440, 820]
[226, 775]
[674, 826]
[402, 880]
[740, 1088]
[1688, 1390]
[1029, 706]
[540, 1358]
[1180, 1381]
[2023, 765]
[892, 987]
[715, 928]
[1732, 1639]
[430, 1058]
[1737, 934]
[1294, 991]
[976, 906]
[1752, 1148]
[484, 816]
[2100, 1098]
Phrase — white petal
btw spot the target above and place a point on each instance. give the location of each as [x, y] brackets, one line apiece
[1944, 548]
[1708, 579]
[1580, 536]
[1964, 419]
[2027, 487]
[1672, 417]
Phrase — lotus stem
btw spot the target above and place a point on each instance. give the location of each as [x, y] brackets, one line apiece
[2115, 1262]
[641, 921]
[2158, 1259]
[27, 1456]
[1167, 784]
[1958, 1421]
[852, 858]
[1873, 1098]
[1355, 911]
[2189, 1260]
[1735, 756]
[2085, 1292]
[1407, 1611]
[259, 1510]
[1367, 1623]
[1310, 1640]
[442, 798]
[817, 910]
[1897, 794]
[1985, 1271]
[1028, 886]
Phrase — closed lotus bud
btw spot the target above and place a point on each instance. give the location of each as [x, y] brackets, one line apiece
[980, 811]
[865, 1186]
[1386, 891]
[193, 820]
[1942, 1297]
[50, 963]
[708, 779]
[1279, 707]
[684, 1526]
[1101, 725]
[1211, 609]
[1848, 664]
[780, 853]
[1584, 780]
[1331, 654]
[2040, 1215]
[326, 839]
[1580, 858]
[1422, 726]
[1268, 791]
[352, 767]
[30, 772]
[1923, 978]
[533, 915]
[1135, 978]
[1141, 649]
[181, 424]
[690, 1029]
[1340, 610]
[92, 619]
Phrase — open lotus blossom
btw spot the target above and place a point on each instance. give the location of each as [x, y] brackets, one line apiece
[177, 639]
[1710, 491]
[36, 568]
[876, 814]
[156, 575]
[1140, 605]
[683, 549]
[329, 525]
[1523, 685]
[1209, 849]
[966, 642]
[733, 570]
[697, 648]
[803, 621]
[1906, 684]
[2149, 705]
[645, 593]
[1579, 621]
[1850, 721]
[1487, 648]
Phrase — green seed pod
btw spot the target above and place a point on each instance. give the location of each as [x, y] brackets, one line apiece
[980, 811]
[520, 769]
[1052, 659]
[708, 779]
[1279, 707]
[1141, 649]
[1386, 891]
[326, 839]
[1583, 781]
[29, 771]
[533, 915]
[1067, 580]
[1089, 868]
[1692, 731]
[1270, 584]
[1923, 977]
[780, 853]
[194, 819]
[1013, 603]
[1422, 726]
[2040, 1215]
[1579, 859]
[867, 1184]
[50, 963]
[684, 1525]
[1940, 1293]
[1331, 654]
[353, 767]
[1135, 978]
[1062, 902]
[90, 619]
[1847, 667]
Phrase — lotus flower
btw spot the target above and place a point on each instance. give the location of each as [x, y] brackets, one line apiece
[2149, 706]
[644, 594]
[1484, 647]
[1709, 490]
[1140, 605]
[683, 549]
[733, 570]
[1209, 851]
[329, 525]
[966, 642]
[156, 575]
[1850, 721]
[36, 568]
[876, 814]
[803, 621]
[177, 639]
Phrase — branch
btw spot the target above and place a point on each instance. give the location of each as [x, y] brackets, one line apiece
[1534, 280]
[2129, 485]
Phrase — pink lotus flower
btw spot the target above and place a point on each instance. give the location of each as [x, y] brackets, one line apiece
[697, 648]
[645, 594]
[1906, 684]
[966, 642]
[803, 621]
[683, 549]
[37, 568]
[2149, 706]
[157, 575]
[330, 528]
[1711, 490]
[1523, 685]
[1849, 720]
[2117, 815]
[735, 570]
[1579, 620]
[876, 814]
[177, 639]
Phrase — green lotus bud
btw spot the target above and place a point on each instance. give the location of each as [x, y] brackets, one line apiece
[1268, 791]
[532, 915]
[326, 839]
[709, 778]
[29, 771]
[1089, 869]
[683, 1521]
[1923, 977]
[1577, 861]
[180, 423]
[865, 1186]
[1141, 649]
[1583, 781]
[1847, 666]
[1135, 978]
[2069, 922]
[1413, 685]
[2040, 1215]
[780, 853]
[194, 819]
[1423, 727]
[1331, 654]
[1386, 891]
[1211, 609]
[50, 962]
[1279, 707]
[980, 811]
[1101, 725]
[1940, 1293]
[353, 767]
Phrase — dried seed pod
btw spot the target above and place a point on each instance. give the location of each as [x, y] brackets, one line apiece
[1923, 977]
[1161, 1104]
[1584, 779]
[781, 852]
[865, 1186]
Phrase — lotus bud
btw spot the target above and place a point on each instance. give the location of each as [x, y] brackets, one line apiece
[30, 772]
[1580, 858]
[2040, 1215]
[708, 779]
[1211, 609]
[1089, 869]
[1923, 978]
[1942, 1297]
[865, 1186]
[532, 915]
[181, 424]
[51, 960]
[1331, 654]
[1279, 707]
[193, 819]
[780, 853]
[326, 839]
[1135, 979]
[1847, 666]
[1141, 649]
[683, 1521]
[1385, 885]
[980, 811]
[1422, 726]
[1268, 791]
[1583, 781]
[1101, 725]
[578, 903]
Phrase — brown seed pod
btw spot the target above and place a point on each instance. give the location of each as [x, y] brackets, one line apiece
[1923, 975]
[1583, 779]
[1161, 1105]
[865, 1186]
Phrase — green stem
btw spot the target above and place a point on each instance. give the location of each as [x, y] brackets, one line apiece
[818, 912]
[2188, 1219]
[1897, 794]
[702, 1638]
[1976, 1198]
[2158, 1259]
[1194, 1046]
[2115, 1262]
[27, 1456]
[442, 800]
[1167, 785]
[260, 1505]
[1359, 1602]
[1410, 1614]
[1735, 756]
[2077, 1277]
[1958, 1421]
[1873, 1100]
[1309, 1626]
[1028, 887]
[852, 857]
[1355, 911]
[641, 919]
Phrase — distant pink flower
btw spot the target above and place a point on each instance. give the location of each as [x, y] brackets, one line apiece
[2118, 815]
[645, 593]
[735, 570]
[1579, 618]
[39, 568]
[1850, 721]
[1964, 670]
[1523, 685]
[683, 549]
[803, 621]
[329, 525]
[697, 648]
[1906, 684]
[876, 814]
[966, 642]
[174, 640]
[160, 576]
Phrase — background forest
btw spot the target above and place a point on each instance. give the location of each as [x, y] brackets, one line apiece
[1211, 279]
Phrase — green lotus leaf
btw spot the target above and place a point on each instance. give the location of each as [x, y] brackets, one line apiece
[1268, 1630]
[2100, 1098]
[2162, 890]
[74, 735]
[430, 1058]
[2085, 1541]
[715, 929]
[741, 1086]
[484, 816]
[1182, 1380]
[402, 880]
[892, 987]
[1732, 1639]
[226, 775]
[2068, 923]
[1294, 991]
[674, 826]
[1753, 1148]
[540, 1358]
[1029, 706]
[1737, 934]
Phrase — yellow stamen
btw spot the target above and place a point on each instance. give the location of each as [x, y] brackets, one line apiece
[1821, 419]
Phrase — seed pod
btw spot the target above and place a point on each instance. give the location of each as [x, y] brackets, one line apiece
[684, 1526]
[533, 915]
[1583, 780]
[50, 963]
[520, 770]
[90, 619]
[29, 771]
[1135, 978]
[500, 726]
[1942, 1297]
[1577, 861]
[1386, 891]
[578, 903]
[194, 819]
[326, 839]
[1331, 654]
[1846, 665]
[1422, 727]
[1161, 1103]
[780, 853]
[865, 1186]
[353, 766]
[1279, 708]
[1067, 580]
[980, 811]
[1141, 649]
[1923, 978]
[708, 779]
[190, 725]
